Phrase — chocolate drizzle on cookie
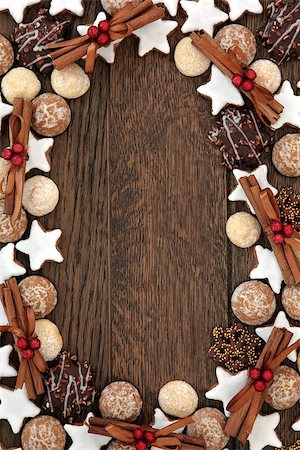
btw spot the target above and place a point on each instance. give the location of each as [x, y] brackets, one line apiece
[281, 34]
[240, 138]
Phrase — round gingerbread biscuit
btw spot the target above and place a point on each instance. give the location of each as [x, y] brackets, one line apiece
[209, 423]
[235, 35]
[243, 229]
[70, 82]
[284, 392]
[20, 82]
[43, 433]
[11, 230]
[120, 400]
[113, 6]
[51, 115]
[7, 56]
[39, 293]
[190, 61]
[118, 445]
[286, 155]
[268, 74]
[291, 300]
[50, 337]
[40, 195]
[178, 398]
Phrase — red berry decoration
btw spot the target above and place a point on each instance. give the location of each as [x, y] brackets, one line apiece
[141, 445]
[35, 344]
[260, 386]
[28, 353]
[18, 149]
[103, 39]
[276, 226]
[250, 74]
[237, 80]
[254, 373]
[7, 154]
[17, 160]
[93, 32]
[138, 433]
[104, 26]
[278, 238]
[288, 230]
[247, 86]
[149, 436]
[267, 375]
[22, 343]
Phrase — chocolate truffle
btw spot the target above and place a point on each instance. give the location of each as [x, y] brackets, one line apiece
[178, 398]
[253, 302]
[11, 230]
[70, 82]
[70, 388]
[6, 55]
[190, 61]
[268, 74]
[118, 445]
[39, 293]
[286, 155]
[40, 195]
[20, 82]
[291, 300]
[43, 433]
[243, 229]
[240, 36]
[113, 6]
[51, 115]
[120, 400]
[50, 337]
[284, 392]
[209, 423]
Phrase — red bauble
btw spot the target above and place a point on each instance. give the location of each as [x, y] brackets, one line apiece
[250, 74]
[28, 353]
[22, 343]
[150, 437]
[254, 373]
[278, 238]
[138, 433]
[141, 445]
[7, 154]
[247, 86]
[267, 375]
[288, 230]
[237, 80]
[104, 26]
[276, 226]
[35, 344]
[93, 32]
[103, 39]
[17, 160]
[18, 149]
[260, 386]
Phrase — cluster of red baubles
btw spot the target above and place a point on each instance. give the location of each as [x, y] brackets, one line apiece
[28, 347]
[14, 154]
[100, 33]
[143, 439]
[245, 83]
[280, 231]
[260, 377]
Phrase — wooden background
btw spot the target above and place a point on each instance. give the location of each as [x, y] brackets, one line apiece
[148, 270]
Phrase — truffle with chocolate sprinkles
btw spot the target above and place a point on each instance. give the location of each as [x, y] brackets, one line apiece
[294, 446]
[235, 347]
[240, 138]
[70, 389]
[289, 206]
[281, 34]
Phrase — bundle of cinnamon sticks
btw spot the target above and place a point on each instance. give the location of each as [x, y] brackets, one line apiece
[246, 405]
[21, 324]
[266, 209]
[166, 438]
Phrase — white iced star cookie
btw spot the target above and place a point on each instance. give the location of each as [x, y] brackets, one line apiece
[263, 432]
[171, 5]
[6, 370]
[15, 407]
[41, 246]
[296, 425]
[261, 174]
[238, 8]
[162, 421]
[202, 15]
[291, 103]
[83, 439]
[38, 150]
[267, 268]
[73, 6]
[8, 266]
[298, 84]
[154, 36]
[16, 8]
[220, 97]
[228, 386]
[281, 322]
[5, 110]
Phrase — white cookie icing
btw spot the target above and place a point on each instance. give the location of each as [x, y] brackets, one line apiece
[239, 7]
[73, 6]
[171, 5]
[6, 370]
[267, 268]
[5, 110]
[154, 36]
[38, 150]
[16, 8]
[291, 104]
[162, 421]
[202, 15]
[8, 266]
[263, 432]
[83, 439]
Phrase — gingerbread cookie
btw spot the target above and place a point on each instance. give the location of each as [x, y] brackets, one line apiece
[286, 155]
[209, 423]
[11, 230]
[113, 6]
[120, 400]
[284, 392]
[291, 300]
[7, 56]
[51, 115]
[38, 293]
[239, 36]
[43, 433]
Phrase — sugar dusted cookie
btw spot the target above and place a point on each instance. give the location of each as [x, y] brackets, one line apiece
[70, 82]
[118, 445]
[284, 392]
[11, 230]
[190, 61]
[243, 229]
[51, 115]
[209, 423]
[39, 293]
[43, 433]
[240, 36]
[178, 398]
[120, 400]
[6, 55]
[20, 82]
[291, 300]
[286, 155]
[50, 337]
[40, 195]
[113, 6]
[268, 74]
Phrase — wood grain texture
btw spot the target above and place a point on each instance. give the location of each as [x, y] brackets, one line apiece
[148, 270]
